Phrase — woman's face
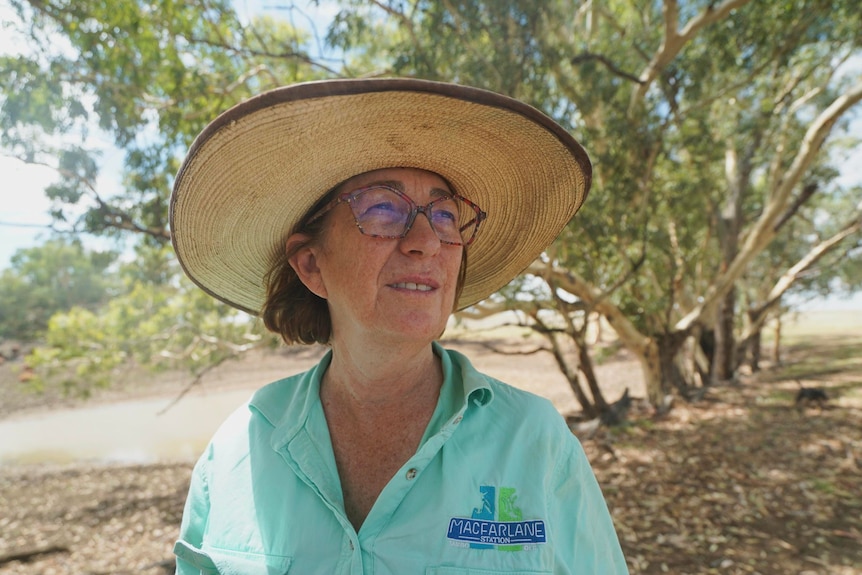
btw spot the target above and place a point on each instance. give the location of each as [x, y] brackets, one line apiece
[402, 288]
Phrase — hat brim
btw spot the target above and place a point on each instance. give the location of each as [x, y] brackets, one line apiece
[259, 167]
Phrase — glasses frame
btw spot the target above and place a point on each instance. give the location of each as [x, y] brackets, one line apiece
[415, 209]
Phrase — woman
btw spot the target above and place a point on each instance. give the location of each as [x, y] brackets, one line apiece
[360, 214]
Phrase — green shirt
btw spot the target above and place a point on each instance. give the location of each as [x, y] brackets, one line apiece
[498, 485]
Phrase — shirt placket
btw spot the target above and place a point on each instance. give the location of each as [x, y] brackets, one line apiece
[306, 456]
[383, 513]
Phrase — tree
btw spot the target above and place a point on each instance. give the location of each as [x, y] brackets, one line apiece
[818, 248]
[147, 77]
[51, 278]
[159, 325]
[706, 123]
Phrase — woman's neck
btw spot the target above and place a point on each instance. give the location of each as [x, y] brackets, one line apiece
[377, 409]
[373, 383]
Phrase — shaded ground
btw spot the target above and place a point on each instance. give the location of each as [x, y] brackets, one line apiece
[740, 482]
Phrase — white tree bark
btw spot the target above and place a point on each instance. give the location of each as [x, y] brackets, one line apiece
[854, 225]
[763, 230]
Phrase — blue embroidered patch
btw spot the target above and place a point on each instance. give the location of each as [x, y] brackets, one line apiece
[497, 524]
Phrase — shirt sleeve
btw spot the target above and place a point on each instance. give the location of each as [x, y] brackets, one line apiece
[586, 541]
[195, 517]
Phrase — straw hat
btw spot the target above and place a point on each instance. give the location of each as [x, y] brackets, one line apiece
[259, 167]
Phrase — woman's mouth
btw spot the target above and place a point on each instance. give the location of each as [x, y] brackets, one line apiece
[412, 286]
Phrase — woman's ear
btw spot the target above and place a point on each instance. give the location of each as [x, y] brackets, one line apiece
[303, 260]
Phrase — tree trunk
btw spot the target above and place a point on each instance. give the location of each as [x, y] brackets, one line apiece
[585, 364]
[750, 336]
[776, 344]
[723, 365]
[656, 354]
[707, 345]
[737, 172]
[669, 348]
[661, 373]
[590, 410]
[651, 366]
[755, 351]
[698, 364]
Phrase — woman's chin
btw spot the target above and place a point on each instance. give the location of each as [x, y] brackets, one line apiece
[417, 327]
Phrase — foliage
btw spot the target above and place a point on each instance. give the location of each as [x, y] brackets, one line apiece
[155, 324]
[697, 116]
[706, 123]
[148, 76]
[54, 277]
[838, 271]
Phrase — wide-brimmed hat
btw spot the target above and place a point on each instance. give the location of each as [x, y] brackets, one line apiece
[257, 169]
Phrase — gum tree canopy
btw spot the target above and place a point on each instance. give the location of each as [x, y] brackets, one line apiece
[717, 132]
[716, 129]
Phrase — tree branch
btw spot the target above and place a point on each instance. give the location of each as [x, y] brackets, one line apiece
[287, 55]
[804, 196]
[488, 308]
[197, 379]
[570, 281]
[674, 41]
[489, 346]
[587, 56]
[30, 553]
[763, 230]
[852, 226]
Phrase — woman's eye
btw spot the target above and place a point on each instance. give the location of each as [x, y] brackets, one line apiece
[383, 211]
[381, 206]
[445, 216]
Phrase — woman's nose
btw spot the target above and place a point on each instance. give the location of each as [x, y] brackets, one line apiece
[421, 238]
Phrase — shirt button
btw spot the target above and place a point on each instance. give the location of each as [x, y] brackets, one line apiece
[351, 545]
[411, 473]
[457, 420]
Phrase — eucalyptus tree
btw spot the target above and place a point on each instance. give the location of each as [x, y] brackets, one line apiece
[142, 77]
[152, 323]
[825, 245]
[146, 76]
[707, 123]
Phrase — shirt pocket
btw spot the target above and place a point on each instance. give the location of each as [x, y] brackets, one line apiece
[215, 561]
[471, 571]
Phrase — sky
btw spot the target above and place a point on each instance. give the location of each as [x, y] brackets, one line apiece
[24, 218]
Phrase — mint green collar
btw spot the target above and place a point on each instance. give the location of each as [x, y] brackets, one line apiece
[287, 404]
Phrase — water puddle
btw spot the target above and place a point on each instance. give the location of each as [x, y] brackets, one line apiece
[122, 432]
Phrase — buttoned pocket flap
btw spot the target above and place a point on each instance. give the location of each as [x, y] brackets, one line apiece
[195, 557]
[240, 563]
[218, 561]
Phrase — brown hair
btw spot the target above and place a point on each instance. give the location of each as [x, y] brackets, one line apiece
[291, 309]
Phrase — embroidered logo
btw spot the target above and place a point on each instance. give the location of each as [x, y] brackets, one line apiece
[498, 524]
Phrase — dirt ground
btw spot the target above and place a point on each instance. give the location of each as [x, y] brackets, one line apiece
[738, 482]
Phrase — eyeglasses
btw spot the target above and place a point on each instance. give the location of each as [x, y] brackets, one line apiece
[381, 211]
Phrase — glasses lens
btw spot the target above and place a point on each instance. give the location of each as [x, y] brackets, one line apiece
[454, 221]
[380, 212]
